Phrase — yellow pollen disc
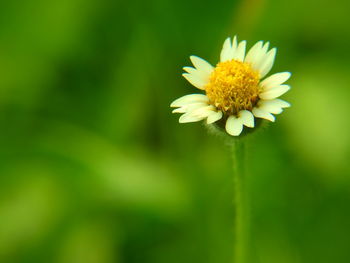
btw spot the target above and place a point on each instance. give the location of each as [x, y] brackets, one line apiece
[233, 86]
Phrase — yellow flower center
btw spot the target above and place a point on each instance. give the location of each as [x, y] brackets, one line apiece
[233, 86]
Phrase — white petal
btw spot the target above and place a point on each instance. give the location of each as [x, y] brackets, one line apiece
[190, 107]
[189, 99]
[195, 80]
[213, 117]
[266, 46]
[274, 92]
[258, 60]
[267, 63]
[188, 117]
[228, 49]
[234, 46]
[282, 103]
[270, 106]
[240, 51]
[259, 113]
[195, 71]
[261, 57]
[254, 54]
[234, 126]
[273, 103]
[190, 70]
[275, 80]
[203, 112]
[202, 75]
[273, 106]
[247, 118]
[201, 65]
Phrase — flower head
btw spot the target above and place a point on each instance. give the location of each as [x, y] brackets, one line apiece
[235, 90]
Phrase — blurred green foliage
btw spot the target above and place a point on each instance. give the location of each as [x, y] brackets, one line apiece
[94, 168]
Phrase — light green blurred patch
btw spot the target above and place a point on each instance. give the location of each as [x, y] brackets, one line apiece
[34, 34]
[126, 178]
[132, 89]
[292, 20]
[23, 78]
[45, 28]
[88, 242]
[318, 120]
[30, 207]
[275, 248]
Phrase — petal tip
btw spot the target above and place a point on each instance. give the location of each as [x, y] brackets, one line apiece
[233, 126]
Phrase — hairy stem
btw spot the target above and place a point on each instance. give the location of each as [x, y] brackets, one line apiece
[241, 203]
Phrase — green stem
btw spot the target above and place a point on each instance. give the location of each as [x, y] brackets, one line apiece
[241, 203]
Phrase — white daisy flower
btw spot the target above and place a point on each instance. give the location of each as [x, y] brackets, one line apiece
[236, 90]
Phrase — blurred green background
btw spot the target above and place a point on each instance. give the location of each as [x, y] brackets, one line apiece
[95, 168]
